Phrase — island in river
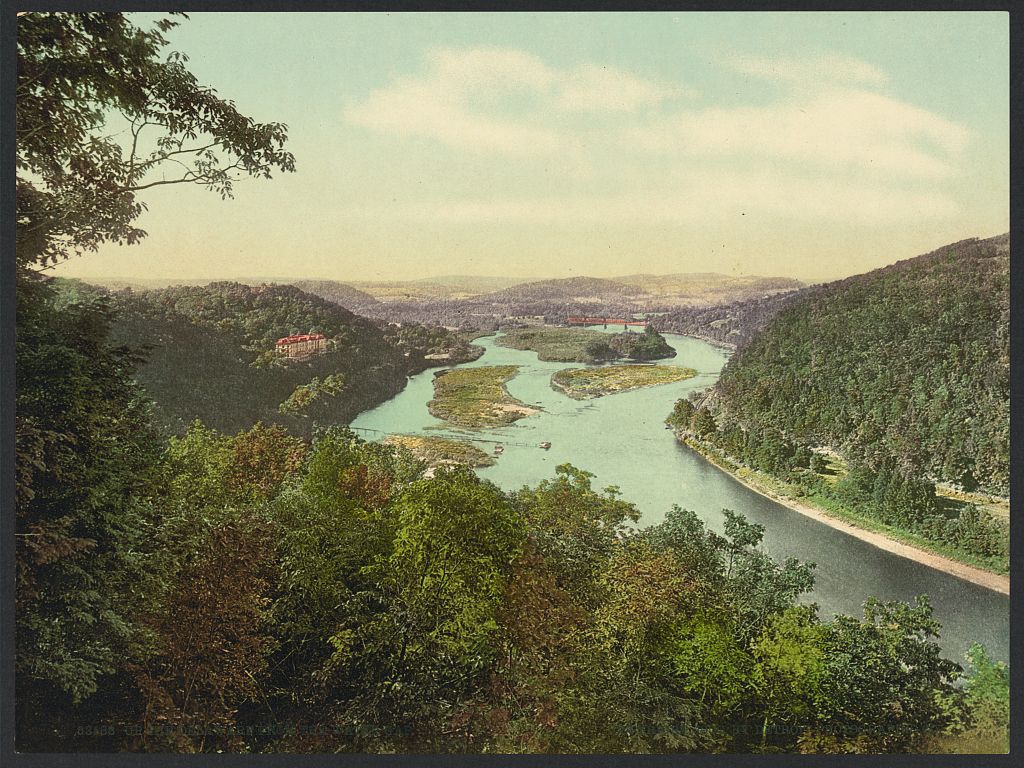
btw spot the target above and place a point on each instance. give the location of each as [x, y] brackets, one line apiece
[582, 345]
[477, 397]
[586, 383]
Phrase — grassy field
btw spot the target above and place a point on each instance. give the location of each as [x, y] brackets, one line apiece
[585, 383]
[476, 397]
[441, 450]
[561, 345]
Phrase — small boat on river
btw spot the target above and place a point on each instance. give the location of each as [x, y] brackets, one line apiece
[545, 445]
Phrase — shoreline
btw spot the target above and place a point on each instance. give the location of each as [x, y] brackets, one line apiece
[978, 576]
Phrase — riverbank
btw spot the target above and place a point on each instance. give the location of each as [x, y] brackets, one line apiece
[587, 383]
[983, 578]
[725, 346]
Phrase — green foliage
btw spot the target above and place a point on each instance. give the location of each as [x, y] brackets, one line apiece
[682, 415]
[476, 397]
[907, 364]
[307, 394]
[988, 690]
[582, 345]
[336, 585]
[418, 341]
[583, 383]
[210, 355]
[649, 345]
[904, 370]
[101, 116]
[569, 345]
[883, 681]
[85, 455]
[440, 451]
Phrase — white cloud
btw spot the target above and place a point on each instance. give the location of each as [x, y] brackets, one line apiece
[460, 100]
[466, 70]
[439, 112]
[834, 129]
[826, 67]
[834, 151]
[593, 88]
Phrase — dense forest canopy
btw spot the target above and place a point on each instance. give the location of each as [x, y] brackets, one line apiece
[901, 376]
[207, 352]
[908, 363]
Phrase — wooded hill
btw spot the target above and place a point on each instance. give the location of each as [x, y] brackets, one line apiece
[340, 293]
[735, 323]
[209, 354]
[909, 364]
[863, 394]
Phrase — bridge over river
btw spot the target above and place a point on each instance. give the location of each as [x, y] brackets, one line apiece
[605, 321]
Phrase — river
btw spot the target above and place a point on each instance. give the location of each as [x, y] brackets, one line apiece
[622, 440]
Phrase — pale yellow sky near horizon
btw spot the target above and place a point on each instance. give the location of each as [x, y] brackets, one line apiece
[811, 146]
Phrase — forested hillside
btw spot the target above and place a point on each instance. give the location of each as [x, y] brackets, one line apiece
[735, 323]
[902, 374]
[208, 354]
[908, 363]
[339, 293]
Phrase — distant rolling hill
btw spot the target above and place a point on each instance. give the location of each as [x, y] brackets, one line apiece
[443, 287]
[570, 289]
[557, 299]
[342, 294]
[702, 288]
[642, 289]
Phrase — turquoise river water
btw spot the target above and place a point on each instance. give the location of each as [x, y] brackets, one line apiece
[622, 440]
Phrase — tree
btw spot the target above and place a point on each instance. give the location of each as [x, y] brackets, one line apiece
[704, 423]
[85, 452]
[211, 640]
[83, 79]
[682, 413]
[883, 680]
[419, 632]
[597, 350]
[787, 667]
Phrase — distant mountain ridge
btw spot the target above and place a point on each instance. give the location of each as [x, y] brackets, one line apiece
[579, 289]
[337, 292]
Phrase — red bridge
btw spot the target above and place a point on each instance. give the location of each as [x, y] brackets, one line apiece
[603, 321]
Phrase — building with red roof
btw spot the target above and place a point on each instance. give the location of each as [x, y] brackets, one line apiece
[301, 345]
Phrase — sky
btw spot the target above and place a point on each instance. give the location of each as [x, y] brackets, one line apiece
[535, 145]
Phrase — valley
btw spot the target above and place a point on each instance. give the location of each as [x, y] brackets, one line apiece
[540, 383]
